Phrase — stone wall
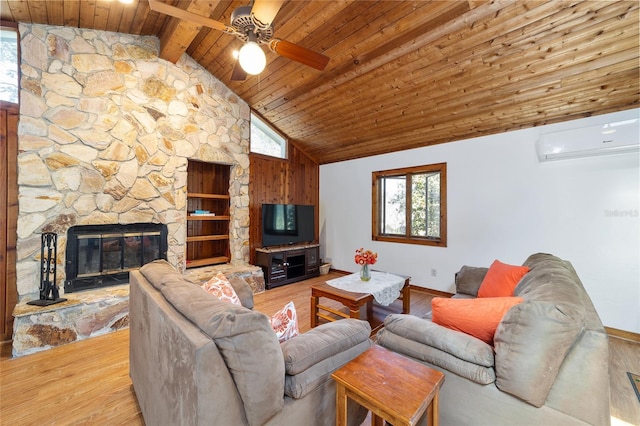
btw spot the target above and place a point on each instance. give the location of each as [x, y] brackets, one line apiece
[106, 128]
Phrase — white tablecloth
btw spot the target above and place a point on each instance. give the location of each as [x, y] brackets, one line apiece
[384, 287]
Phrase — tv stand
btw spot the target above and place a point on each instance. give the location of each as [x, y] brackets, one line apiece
[286, 265]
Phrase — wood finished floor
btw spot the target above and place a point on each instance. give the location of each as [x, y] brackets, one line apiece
[87, 382]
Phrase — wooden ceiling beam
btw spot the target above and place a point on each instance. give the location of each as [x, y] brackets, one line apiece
[176, 38]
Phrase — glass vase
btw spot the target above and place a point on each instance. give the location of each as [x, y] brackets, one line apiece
[365, 275]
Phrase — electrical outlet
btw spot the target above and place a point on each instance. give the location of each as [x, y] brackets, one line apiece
[434, 272]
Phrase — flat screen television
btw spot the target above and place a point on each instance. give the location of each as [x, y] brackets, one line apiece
[286, 224]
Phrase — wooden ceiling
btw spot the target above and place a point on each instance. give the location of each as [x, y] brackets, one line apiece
[403, 74]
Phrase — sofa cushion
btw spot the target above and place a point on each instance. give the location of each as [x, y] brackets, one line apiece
[285, 323]
[323, 342]
[298, 385]
[501, 279]
[247, 343]
[460, 345]
[468, 280]
[403, 345]
[477, 317]
[531, 343]
[219, 286]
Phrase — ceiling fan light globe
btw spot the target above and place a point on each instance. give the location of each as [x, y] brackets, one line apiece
[252, 58]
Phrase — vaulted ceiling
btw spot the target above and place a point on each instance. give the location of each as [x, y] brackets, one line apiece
[402, 74]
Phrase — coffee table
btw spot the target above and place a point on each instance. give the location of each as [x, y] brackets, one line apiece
[393, 387]
[353, 301]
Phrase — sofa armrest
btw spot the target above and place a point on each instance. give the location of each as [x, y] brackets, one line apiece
[310, 358]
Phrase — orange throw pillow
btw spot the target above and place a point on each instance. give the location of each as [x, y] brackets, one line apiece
[501, 279]
[477, 317]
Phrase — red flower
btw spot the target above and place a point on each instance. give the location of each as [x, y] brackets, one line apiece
[367, 257]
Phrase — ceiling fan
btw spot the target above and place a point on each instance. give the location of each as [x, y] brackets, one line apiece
[252, 25]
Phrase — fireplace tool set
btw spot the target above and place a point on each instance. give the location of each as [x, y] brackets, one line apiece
[49, 294]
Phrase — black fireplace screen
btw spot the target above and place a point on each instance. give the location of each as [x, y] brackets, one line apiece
[103, 255]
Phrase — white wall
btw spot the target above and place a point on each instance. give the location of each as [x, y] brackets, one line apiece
[504, 204]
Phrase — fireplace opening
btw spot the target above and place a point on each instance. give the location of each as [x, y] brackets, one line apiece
[103, 255]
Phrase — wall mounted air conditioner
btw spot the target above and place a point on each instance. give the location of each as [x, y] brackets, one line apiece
[610, 138]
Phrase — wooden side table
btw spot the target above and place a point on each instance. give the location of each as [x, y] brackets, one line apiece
[393, 387]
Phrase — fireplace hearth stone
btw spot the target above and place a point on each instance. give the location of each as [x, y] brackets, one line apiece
[86, 314]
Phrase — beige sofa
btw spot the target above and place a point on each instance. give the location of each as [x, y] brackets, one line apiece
[549, 364]
[196, 360]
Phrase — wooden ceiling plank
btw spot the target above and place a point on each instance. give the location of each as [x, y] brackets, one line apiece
[71, 11]
[20, 11]
[55, 12]
[101, 14]
[139, 18]
[114, 18]
[127, 17]
[5, 12]
[87, 13]
[38, 11]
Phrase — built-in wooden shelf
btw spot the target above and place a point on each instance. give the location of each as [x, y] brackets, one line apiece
[208, 234]
[207, 261]
[212, 196]
[207, 217]
[207, 238]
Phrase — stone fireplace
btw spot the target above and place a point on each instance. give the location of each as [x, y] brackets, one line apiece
[105, 132]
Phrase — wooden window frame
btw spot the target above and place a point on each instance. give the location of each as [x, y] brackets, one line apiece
[376, 235]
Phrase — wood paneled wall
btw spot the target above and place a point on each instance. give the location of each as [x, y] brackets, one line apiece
[8, 215]
[272, 181]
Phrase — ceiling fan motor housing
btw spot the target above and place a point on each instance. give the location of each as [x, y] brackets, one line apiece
[245, 24]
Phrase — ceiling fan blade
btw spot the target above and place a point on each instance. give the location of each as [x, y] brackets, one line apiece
[298, 53]
[238, 73]
[176, 12]
[265, 11]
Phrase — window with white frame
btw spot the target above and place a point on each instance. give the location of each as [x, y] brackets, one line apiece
[265, 139]
[8, 65]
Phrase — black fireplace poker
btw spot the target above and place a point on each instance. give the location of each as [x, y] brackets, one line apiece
[49, 294]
